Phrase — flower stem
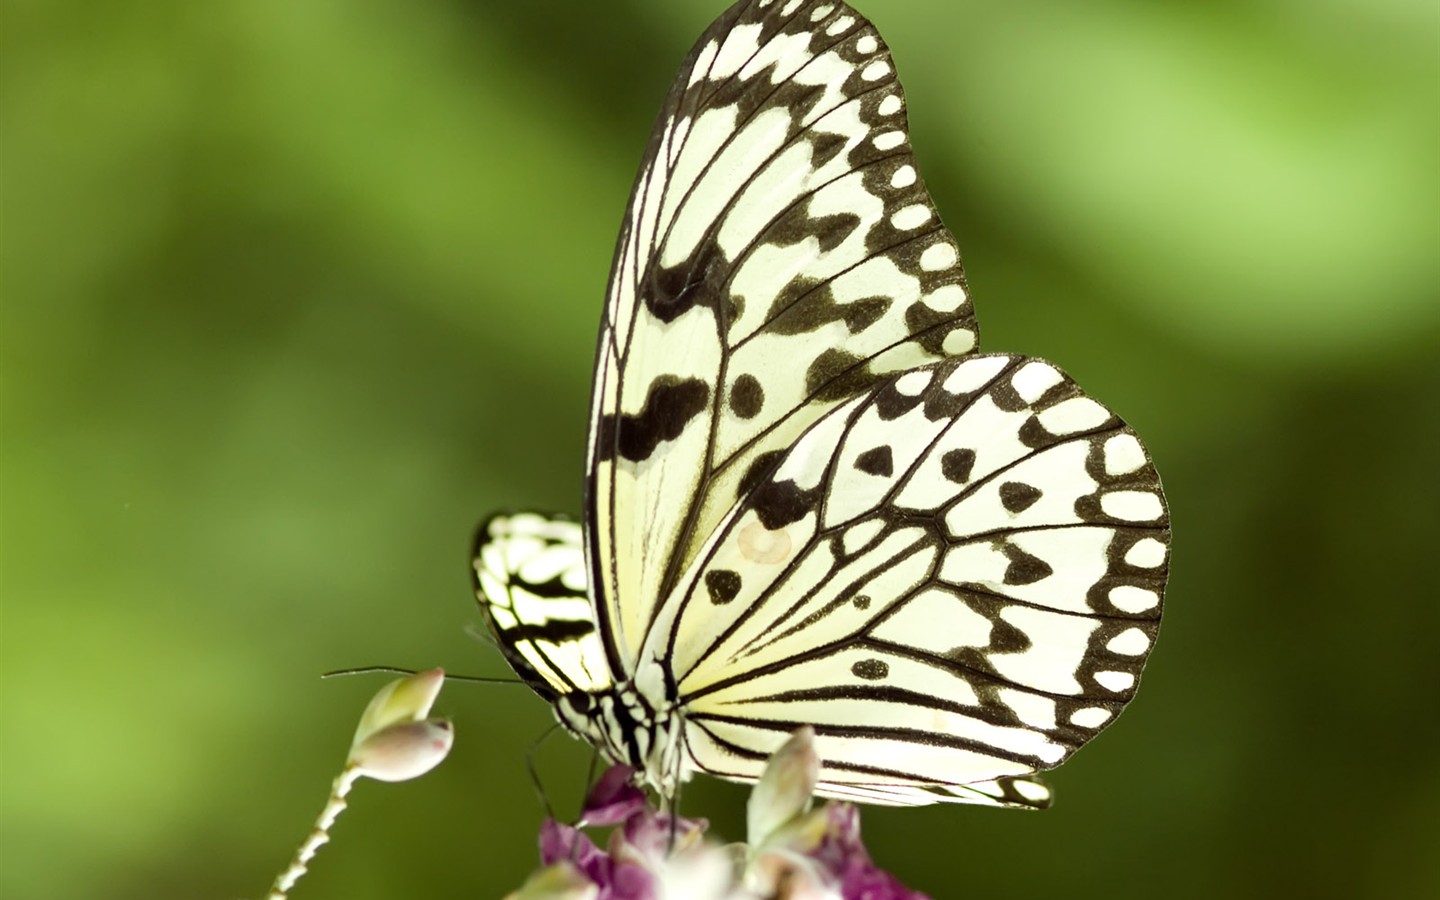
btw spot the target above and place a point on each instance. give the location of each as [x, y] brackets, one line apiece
[319, 835]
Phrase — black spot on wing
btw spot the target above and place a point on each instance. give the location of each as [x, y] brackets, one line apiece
[837, 375]
[734, 307]
[797, 309]
[1007, 638]
[778, 504]
[955, 465]
[825, 146]
[669, 293]
[798, 225]
[759, 470]
[804, 306]
[870, 669]
[1017, 496]
[669, 406]
[876, 461]
[1024, 568]
[746, 397]
[722, 585]
[861, 314]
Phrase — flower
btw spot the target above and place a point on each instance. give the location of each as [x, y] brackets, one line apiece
[842, 854]
[793, 852]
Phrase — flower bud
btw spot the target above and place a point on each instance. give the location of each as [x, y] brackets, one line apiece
[784, 790]
[403, 751]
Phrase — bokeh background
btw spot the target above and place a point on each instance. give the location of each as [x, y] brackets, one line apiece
[295, 292]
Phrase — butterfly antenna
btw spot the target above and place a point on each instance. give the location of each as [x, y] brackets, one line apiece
[394, 670]
[366, 670]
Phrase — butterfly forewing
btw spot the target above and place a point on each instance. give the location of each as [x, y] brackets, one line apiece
[779, 255]
[955, 577]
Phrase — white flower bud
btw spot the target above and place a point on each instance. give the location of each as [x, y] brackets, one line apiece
[785, 789]
[403, 751]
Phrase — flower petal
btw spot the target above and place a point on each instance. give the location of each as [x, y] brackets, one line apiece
[405, 699]
[614, 798]
[845, 857]
[403, 751]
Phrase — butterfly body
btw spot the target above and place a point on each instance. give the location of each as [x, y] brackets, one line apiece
[808, 499]
[631, 729]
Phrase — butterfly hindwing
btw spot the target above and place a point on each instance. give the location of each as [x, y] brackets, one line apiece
[529, 574]
[779, 254]
[955, 577]
[1027, 792]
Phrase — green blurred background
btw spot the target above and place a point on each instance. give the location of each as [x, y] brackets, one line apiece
[294, 292]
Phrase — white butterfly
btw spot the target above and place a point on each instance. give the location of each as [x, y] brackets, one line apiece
[808, 500]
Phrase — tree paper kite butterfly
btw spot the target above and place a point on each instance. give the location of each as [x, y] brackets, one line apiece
[808, 498]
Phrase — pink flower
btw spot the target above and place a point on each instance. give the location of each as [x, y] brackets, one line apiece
[794, 852]
[842, 854]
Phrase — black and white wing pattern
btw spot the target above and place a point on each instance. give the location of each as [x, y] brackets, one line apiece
[529, 576]
[780, 253]
[809, 501]
[954, 576]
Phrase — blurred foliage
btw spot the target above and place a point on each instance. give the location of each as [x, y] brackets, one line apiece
[294, 292]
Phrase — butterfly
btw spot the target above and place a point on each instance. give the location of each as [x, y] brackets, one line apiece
[808, 498]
